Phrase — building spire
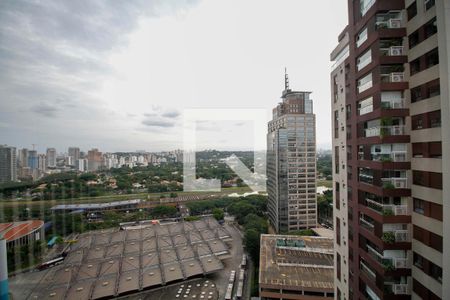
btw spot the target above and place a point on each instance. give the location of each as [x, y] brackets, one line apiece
[286, 79]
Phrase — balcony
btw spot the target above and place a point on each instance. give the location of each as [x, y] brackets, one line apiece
[389, 263]
[385, 131]
[366, 270]
[398, 103]
[393, 77]
[395, 183]
[394, 156]
[392, 51]
[396, 236]
[397, 288]
[366, 224]
[390, 23]
[388, 209]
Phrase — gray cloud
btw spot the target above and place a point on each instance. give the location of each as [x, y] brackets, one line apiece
[158, 123]
[45, 110]
[53, 54]
[171, 114]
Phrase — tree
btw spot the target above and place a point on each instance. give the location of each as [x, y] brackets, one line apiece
[218, 213]
[251, 238]
[163, 211]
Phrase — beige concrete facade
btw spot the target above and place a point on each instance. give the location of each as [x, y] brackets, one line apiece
[339, 149]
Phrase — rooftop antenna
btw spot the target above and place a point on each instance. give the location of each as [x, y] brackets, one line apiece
[286, 79]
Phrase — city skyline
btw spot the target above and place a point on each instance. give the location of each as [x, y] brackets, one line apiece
[98, 91]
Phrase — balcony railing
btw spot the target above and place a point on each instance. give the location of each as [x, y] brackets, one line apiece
[366, 270]
[389, 262]
[385, 130]
[393, 77]
[391, 23]
[392, 51]
[395, 183]
[398, 236]
[393, 104]
[394, 156]
[398, 288]
[388, 209]
[366, 224]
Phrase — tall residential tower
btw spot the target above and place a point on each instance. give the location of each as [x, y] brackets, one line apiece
[391, 120]
[8, 164]
[291, 163]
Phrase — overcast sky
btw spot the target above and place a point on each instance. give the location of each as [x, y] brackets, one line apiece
[117, 75]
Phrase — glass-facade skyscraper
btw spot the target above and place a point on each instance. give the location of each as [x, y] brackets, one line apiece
[291, 163]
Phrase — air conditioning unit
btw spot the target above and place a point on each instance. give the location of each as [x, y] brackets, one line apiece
[397, 77]
[395, 23]
[396, 50]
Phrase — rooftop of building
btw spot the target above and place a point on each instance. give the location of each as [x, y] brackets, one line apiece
[15, 230]
[108, 263]
[296, 262]
[323, 232]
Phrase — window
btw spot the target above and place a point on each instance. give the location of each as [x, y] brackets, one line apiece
[365, 83]
[413, 39]
[338, 266]
[419, 206]
[414, 66]
[361, 37]
[418, 261]
[432, 58]
[430, 28]
[435, 118]
[338, 231]
[412, 10]
[364, 60]
[436, 272]
[417, 122]
[416, 94]
[429, 4]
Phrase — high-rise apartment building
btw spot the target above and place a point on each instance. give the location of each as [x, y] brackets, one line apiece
[291, 163]
[391, 150]
[42, 162]
[95, 159]
[33, 160]
[74, 152]
[51, 157]
[23, 158]
[8, 164]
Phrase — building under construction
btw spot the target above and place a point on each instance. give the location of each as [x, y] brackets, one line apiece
[110, 263]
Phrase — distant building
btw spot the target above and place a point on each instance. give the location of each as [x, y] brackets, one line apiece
[51, 157]
[296, 267]
[82, 165]
[23, 233]
[8, 164]
[291, 163]
[94, 160]
[74, 152]
[23, 158]
[33, 160]
[42, 162]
